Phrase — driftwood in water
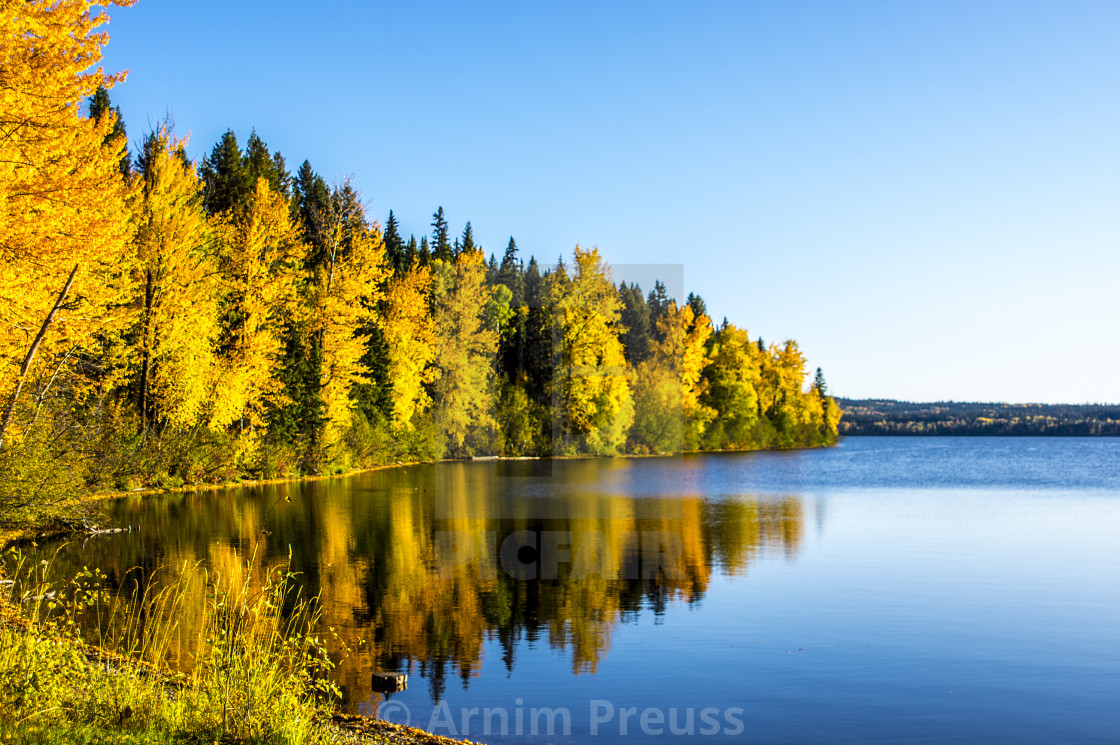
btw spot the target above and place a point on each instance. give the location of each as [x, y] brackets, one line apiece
[389, 682]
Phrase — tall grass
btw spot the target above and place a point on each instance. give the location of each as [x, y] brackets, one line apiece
[251, 670]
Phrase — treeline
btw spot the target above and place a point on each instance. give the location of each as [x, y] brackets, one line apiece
[887, 417]
[169, 322]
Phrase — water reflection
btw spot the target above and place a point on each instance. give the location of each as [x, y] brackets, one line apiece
[417, 567]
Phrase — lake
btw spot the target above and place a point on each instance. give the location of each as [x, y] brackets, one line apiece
[889, 590]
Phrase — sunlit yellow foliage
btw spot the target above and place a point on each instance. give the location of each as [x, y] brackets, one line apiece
[465, 348]
[669, 384]
[408, 335]
[260, 246]
[591, 382]
[63, 202]
[177, 284]
[346, 292]
[734, 377]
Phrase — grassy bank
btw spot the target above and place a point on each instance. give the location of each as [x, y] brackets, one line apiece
[77, 668]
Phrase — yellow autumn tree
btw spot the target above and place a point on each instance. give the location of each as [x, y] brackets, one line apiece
[346, 292]
[465, 349]
[63, 202]
[670, 382]
[734, 377]
[260, 250]
[178, 290]
[410, 341]
[590, 383]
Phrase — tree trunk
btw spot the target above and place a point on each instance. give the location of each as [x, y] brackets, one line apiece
[147, 366]
[31, 354]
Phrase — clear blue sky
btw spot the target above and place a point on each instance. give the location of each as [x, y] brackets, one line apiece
[925, 195]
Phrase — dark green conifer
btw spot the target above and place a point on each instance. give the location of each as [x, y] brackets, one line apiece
[394, 246]
[99, 106]
[225, 177]
[441, 246]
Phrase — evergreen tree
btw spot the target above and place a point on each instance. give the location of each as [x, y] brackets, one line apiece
[394, 246]
[260, 163]
[467, 242]
[658, 302]
[511, 273]
[312, 204]
[411, 254]
[819, 385]
[424, 254]
[99, 106]
[699, 307]
[441, 247]
[225, 177]
[636, 322]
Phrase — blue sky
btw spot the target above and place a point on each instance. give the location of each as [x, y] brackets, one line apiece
[925, 195]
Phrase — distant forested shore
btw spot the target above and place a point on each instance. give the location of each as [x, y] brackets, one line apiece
[889, 417]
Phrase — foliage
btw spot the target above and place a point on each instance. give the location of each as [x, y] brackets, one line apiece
[258, 673]
[170, 323]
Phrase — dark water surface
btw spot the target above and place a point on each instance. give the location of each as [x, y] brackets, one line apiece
[890, 590]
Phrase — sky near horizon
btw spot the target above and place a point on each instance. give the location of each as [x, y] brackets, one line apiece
[925, 195]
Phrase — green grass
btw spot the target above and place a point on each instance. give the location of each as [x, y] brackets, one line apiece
[258, 672]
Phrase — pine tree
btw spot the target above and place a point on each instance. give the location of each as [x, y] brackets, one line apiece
[819, 384]
[440, 246]
[100, 106]
[261, 163]
[225, 176]
[699, 307]
[394, 246]
[658, 302]
[312, 205]
[411, 254]
[636, 322]
[467, 242]
[424, 255]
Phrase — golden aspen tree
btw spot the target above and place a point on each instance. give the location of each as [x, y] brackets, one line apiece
[346, 292]
[590, 383]
[63, 202]
[734, 376]
[465, 348]
[680, 347]
[410, 339]
[260, 268]
[178, 305]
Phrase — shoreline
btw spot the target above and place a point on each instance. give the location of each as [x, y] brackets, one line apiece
[12, 536]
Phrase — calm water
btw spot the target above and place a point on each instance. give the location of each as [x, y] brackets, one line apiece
[891, 590]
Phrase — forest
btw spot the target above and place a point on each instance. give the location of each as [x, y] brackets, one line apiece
[169, 322]
[887, 417]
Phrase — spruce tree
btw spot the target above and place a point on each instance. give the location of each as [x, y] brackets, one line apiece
[260, 163]
[425, 254]
[411, 254]
[99, 106]
[225, 177]
[819, 385]
[394, 246]
[312, 200]
[636, 322]
[441, 246]
[699, 307]
[658, 302]
[467, 242]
